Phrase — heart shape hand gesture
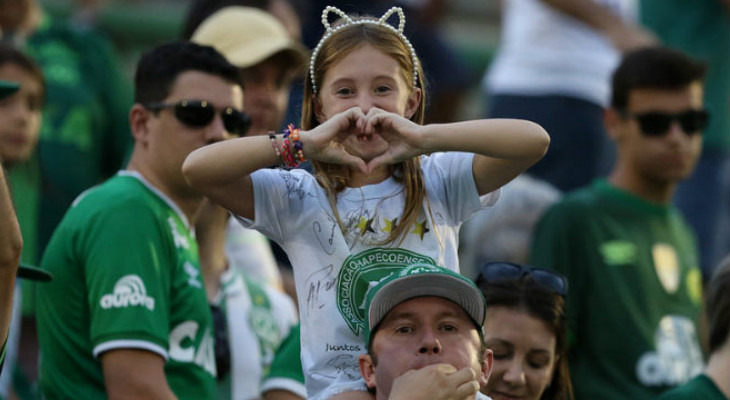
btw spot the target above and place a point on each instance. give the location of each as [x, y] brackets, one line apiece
[329, 141]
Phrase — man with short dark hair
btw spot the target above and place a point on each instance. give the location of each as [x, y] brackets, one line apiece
[636, 286]
[424, 336]
[127, 314]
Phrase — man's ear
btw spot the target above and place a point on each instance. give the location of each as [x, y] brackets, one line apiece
[138, 123]
[487, 362]
[367, 370]
[613, 122]
[413, 103]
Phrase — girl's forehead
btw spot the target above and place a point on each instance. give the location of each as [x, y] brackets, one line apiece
[363, 60]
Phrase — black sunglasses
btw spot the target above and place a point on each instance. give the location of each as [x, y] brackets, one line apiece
[658, 123]
[200, 113]
[495, 272]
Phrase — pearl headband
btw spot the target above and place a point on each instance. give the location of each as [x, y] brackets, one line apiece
[349, 21]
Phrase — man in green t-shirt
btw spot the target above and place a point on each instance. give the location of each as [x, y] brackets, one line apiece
[632, 262]
[702, 30]
[714, 383]
[127, 314]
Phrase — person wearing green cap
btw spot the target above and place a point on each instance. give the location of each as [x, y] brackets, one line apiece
[21, 97]
[7, 88]
[403, 302]
[424, 336]
[11, 244]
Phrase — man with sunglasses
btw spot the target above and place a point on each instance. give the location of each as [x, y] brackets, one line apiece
[127, 315]
[635, 297]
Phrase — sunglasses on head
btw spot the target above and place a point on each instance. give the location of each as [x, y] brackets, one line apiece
[496, 272]
[656, 123]
[200, 113]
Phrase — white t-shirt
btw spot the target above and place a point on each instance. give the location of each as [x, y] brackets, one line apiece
[250, 251]
[333, 271]
[257, 324]
[545, 52]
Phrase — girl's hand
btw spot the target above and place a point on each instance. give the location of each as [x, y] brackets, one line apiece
[404, 137]
[324, 142]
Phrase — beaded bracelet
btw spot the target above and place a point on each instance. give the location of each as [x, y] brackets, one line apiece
[272, 137]
[291, 146]
[294, 136]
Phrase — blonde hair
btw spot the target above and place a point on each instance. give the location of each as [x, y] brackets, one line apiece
[335, 178]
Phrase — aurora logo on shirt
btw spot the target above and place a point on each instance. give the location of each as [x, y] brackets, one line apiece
[361, 271]
[676, 356]
[128, 291]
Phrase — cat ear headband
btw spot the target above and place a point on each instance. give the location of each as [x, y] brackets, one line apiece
[382, 21]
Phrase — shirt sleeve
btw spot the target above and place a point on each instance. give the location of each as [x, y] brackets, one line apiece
[128, 256]
[450, 180]
[278, 196]
[286, 370]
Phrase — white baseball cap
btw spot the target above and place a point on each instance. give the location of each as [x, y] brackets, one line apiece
[247, 36]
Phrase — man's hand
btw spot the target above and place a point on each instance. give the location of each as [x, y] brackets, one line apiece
[436, 382]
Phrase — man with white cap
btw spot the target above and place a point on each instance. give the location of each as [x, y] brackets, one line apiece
[424, 336]
[252, 320]
[269, 58]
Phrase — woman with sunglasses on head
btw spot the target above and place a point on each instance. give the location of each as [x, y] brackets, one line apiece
[526, 330]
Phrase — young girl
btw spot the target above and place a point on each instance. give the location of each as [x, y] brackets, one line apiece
[383, 193]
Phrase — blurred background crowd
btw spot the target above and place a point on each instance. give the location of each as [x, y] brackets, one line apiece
[474, 55]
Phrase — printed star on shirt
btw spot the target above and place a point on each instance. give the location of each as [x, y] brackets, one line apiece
[366, 225]
[259, 300]
[420, 229]
[390, 225]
